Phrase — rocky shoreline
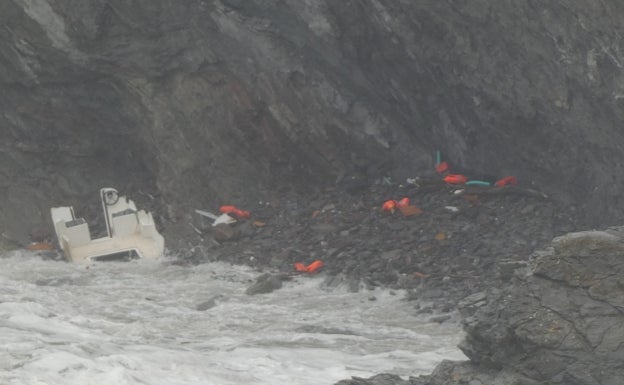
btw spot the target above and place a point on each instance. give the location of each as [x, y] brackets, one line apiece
[539, 300]
[540, 303]
[559, 320]
[266, 103]
[456, 245]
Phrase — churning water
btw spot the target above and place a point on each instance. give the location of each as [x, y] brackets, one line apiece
[147, 322]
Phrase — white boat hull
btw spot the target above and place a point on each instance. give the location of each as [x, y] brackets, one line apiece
[130, 233]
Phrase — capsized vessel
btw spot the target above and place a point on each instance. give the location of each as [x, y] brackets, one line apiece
[130, 233]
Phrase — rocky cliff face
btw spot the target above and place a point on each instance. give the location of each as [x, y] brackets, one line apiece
[559, 321]
[202, 101]
[563, 323]
[191, 104]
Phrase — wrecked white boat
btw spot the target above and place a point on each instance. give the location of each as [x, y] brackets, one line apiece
[131, 234]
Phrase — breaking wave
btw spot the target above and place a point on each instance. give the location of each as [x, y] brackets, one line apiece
[154, 322]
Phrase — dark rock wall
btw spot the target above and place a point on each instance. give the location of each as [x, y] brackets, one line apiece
[560, 324]
[557, 320]
[187, 104]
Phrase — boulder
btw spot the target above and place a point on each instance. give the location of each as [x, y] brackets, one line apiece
[265, 283]
[558, 321]
[561, 324]
[224, 232]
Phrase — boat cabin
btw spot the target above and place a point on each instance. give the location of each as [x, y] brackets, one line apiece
[130, 233]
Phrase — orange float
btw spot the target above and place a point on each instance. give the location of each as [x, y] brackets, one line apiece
[508, 180]
[312, 268]
[300, 267]
[456, 179]
[238, 213]
[403, 202]
[389, 206]
[441, 168]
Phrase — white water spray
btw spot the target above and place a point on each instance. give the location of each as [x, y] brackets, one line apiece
[155, 323]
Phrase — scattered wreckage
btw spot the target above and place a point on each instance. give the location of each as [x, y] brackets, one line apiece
[130, 233]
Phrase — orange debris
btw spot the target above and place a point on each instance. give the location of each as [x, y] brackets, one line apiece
[455, 179]
[508, 180]
[311, 268]
[403, 202]
[442, 168]
[300, 267]
[389, 206]
[314, 266]
[238, 213]
[40, 246]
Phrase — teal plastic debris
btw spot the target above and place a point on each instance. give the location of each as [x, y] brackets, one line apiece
[478, 183]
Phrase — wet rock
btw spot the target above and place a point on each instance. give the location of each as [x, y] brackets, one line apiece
[557, 320]
[246, 229]
[51, 255]
[342, 280]
[473, 302]
[506, 268]
[554, 325]
[440, 318]
[324, 228]
[208, 304]
[587, 243]
[265, 283]
[56, 281]
[380, 379]
[396, 225]
[8, 243]
[224, 232]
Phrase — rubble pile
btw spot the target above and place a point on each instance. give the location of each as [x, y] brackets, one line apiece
[450, 244]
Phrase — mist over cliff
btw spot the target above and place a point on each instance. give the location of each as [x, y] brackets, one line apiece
[190, 103]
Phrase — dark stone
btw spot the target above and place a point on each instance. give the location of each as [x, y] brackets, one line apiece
[440, 318]
[224, 232]
[380, 379]
[208, 304]
[265, 283]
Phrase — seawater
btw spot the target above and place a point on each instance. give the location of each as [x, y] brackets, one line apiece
[154, 322]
